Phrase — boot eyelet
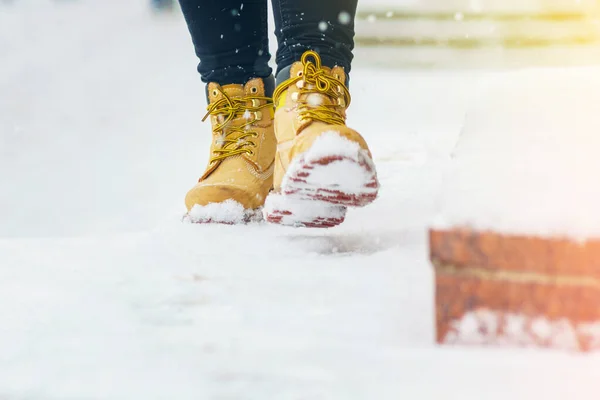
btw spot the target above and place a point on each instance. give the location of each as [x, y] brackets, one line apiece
[254, 89]
[215, 92]
[337, 76]
[300, 73]
[250, 152]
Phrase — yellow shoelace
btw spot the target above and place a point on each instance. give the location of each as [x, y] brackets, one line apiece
[317, 80]
[234, 140]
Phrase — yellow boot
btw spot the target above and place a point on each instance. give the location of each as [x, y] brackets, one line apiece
[240, 171]
[321, 166]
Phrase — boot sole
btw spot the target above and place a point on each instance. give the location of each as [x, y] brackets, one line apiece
[321, 182]
[314, 180]
[292, 211]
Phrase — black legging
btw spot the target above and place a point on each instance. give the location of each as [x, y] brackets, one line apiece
[231, 36]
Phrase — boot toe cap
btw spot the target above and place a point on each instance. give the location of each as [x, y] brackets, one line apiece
[204, 194]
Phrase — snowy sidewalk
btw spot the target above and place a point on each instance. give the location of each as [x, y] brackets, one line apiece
[104, 294]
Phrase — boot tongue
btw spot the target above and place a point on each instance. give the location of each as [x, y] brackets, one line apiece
[293, 70]
[254, 87]
[233, 90]
[213, 91]
[314, 99]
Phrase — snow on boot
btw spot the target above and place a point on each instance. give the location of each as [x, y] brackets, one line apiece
[320, 162]
[240, 169]
[293, 211]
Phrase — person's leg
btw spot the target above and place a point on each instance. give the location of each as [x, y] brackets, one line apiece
[322, 166]
[325, 26]
[230, 38]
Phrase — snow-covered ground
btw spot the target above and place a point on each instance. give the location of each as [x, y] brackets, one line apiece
[105, 294]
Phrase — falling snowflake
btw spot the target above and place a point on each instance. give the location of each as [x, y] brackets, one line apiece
[323, 26]
[344, 18]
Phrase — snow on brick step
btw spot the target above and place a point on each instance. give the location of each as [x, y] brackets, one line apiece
[516, 246]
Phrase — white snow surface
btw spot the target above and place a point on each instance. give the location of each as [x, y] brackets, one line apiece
[527, 160]
[226, 212]
[106, 294]
[478, 327]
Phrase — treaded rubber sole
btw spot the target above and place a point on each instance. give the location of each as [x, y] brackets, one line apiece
[321, 183]
[307, 179]
[296, 212]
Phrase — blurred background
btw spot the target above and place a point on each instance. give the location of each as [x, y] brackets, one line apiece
[479, 33]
